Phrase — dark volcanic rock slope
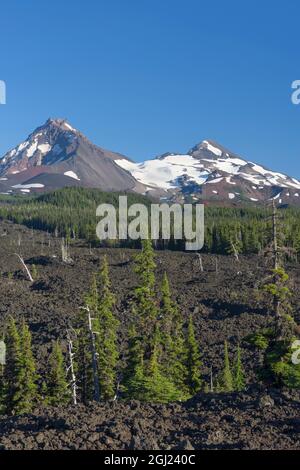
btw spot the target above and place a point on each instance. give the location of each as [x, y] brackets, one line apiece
[252, 420]
[224, 306]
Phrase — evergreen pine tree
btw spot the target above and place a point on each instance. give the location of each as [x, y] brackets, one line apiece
[26, 394]
[2, 365]
[44, 394]
[227, 380]
[172, 338]
[149, 383]
[239, 378]
[92, 297]
[157, 387]
[145, 307]
[107, 340]
[279, 293]
[57, 387]
[218, 387]
[84, 356]
[193, 360]
[147, 377]
[83, 359]
[134, 374]
[11, 373]
[145, 296]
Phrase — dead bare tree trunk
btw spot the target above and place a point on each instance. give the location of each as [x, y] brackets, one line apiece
[71, 368]
[235, 252]
[65, 254]
[217, 267]
[94, 356]
[117, 391]
[25, 267]
[211, 380]
[275, 240]
[276, 262]
[200, 262]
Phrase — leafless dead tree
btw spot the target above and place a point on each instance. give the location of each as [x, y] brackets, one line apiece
[200, 262]
[235, 251]
[65, 251]
[211, 380]
[94, 354]
[25, 267]
[275, 241]
[117, 390]
[71, 368]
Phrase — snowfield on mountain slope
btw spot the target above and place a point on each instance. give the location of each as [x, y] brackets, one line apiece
[165, 172]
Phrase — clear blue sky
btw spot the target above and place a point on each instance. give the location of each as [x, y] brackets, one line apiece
[144, 77]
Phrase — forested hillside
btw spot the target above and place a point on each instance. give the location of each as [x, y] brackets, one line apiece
[72, 212]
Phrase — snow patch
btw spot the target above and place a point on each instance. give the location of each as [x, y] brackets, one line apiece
[71, 174]
[32, 149]
[228, 180]
[69, 127]
[28, 186]
[212, 149]
[44, 148]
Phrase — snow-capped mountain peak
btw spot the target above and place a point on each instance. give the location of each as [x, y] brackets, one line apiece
[43, 147]
[210, 171]
[55, 155]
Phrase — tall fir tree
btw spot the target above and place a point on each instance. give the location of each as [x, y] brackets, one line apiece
[27, 393]
[2, 365]
[145, 307]
[83, 358]
[172, 338]
[145, 295]
[57, 386]
[92, 297]
[84, 345]
[158, 388]
[148, 382]
[239, 377]
[107, 345]
[227, 379]
[279, 293]
[11, 374]
[194, 381]
[147, 377]
[134, 373]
